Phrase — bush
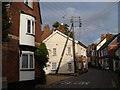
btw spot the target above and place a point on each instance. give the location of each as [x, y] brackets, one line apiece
[41, 55]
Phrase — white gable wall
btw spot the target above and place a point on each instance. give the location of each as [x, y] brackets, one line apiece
[58, 41]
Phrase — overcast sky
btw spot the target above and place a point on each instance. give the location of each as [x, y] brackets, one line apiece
[96, 17]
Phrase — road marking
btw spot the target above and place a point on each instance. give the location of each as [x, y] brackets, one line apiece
[75, 83]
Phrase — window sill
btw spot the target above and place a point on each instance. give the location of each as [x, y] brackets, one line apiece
[30, 34]
[68, 54]
[54, 55]
[53, 70]
[27, 69]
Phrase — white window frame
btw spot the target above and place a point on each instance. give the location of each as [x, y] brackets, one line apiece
[29, 3]
[69, 50]
[52, 66]
[27, 53]
[69, 69]
[32, 27]
[54, 52]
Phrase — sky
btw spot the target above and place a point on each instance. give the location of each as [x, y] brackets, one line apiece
[96, 17]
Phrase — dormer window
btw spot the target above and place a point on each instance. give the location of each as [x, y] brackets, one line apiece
[29, 3]
[30, 27]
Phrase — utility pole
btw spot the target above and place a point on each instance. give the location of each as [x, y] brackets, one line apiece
[74, 57]
[64, 50]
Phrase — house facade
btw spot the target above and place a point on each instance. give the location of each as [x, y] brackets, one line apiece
[55, 44]
[91, 54]
[114, 54]
[106, 50]
[24, 36]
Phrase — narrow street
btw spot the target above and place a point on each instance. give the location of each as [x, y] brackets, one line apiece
[94, 78]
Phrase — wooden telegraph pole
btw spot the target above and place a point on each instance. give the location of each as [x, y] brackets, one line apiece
[74, 57]
[64, 50]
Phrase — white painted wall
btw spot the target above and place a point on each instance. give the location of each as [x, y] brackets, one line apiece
[25, 39]
[27, 75]
[58, 41]
[101, 44]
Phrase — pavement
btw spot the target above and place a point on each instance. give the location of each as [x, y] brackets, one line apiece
[53, 79]
[94, 78]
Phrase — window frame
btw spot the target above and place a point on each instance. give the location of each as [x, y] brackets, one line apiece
[52, 66]
[32, 27]
[54, 52]
[28, 67]
[69, 66]
[69, 50]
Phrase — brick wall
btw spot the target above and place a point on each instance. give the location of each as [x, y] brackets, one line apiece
[10, 57]
[10, 49]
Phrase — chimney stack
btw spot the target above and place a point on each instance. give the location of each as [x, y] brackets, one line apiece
[103, 36]
[46, 27]
[60, 28]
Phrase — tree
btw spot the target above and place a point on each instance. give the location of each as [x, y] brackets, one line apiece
[41, 55]
[5, 22]
[55, 25]
[66, 28]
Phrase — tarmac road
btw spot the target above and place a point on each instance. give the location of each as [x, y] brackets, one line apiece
[94, 78]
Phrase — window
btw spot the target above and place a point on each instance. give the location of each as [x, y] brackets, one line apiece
[30, 27]
[31, 61]
[54, 66]
[24, 61]
[69, 51]
[70, 67]
[54, 52]
[27, 61]
[29, 3]
[33, 26]
[79, 65]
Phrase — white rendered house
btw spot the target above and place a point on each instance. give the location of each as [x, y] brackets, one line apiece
[55, 44]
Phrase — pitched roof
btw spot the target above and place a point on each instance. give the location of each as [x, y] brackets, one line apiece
[109, 41]
[78, 42]
[46, 34]
[60, 34]
[82, 44]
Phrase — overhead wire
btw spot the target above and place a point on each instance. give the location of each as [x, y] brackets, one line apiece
[84, 24]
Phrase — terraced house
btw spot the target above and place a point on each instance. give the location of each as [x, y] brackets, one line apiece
[24, 36]
[107, 51]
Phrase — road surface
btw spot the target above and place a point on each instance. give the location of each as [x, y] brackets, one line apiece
[94, 78]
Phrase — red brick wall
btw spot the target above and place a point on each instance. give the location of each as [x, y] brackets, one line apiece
[10, 50]
[113, 45]
[10, 57]
[14, 13]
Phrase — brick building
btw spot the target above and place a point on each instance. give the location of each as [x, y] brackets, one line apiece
[24, 36]
[106, 50]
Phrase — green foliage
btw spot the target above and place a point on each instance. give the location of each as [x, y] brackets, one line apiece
[66, 29]
[55, 25]
[41, 55]
[5, 22]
